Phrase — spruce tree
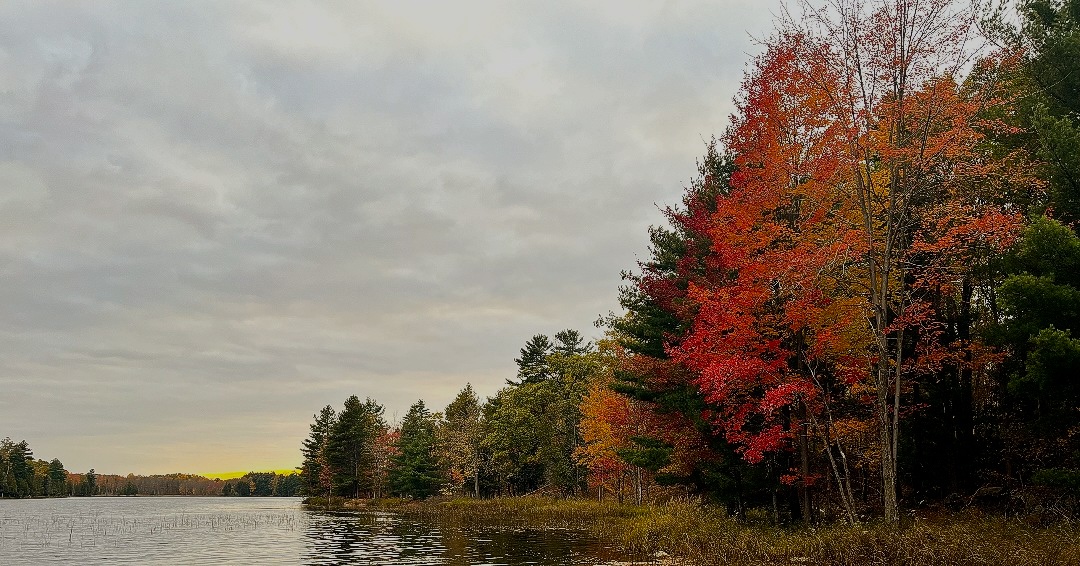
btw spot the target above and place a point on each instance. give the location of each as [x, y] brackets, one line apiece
[312, 447]
[415, 469]
[57, 478]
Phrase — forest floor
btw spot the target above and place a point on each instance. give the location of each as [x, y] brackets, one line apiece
[696, 534]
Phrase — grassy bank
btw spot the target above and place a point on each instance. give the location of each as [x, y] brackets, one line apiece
[704, 535]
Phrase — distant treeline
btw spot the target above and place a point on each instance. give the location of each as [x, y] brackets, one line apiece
[262, 484]
[253, 483]
[21, 475]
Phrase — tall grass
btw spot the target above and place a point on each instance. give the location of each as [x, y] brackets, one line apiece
[701, 534]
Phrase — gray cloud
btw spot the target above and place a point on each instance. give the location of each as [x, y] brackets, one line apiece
[217, 217]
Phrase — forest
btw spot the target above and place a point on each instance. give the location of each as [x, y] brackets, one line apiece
[22, 475]
[864, 302]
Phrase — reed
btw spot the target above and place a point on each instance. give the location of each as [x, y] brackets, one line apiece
[705, 535]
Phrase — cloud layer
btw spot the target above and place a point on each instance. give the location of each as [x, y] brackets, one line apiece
[217, 217]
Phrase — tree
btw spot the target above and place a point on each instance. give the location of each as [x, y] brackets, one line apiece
[383, 451]
[660, 313]
[350, 447]
[569, 342]
[1049, 80]
[1036, 319]
[531, 429]
[17, 458]
[514, 434]
[7, 478]
[91, 483]
[459, 434]
[262, 483]
[532, 365]
[925, 187]
[573, 366]
[288, 485]
[313, 447]
[1040, 322]
[415, 469]
[610, 422]
[40, 487]
[57, 478]
[773, 235]
[866, 185]
[326, 473]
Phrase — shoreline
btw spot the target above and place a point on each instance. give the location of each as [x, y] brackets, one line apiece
[689, 532]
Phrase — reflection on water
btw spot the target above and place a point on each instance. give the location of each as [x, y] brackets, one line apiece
[383, 538]
[196, 530]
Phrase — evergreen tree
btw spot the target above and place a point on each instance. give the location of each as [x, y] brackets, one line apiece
[91, 482]
[351, 447]
[415, 469]
[532, 365]
[7, 478]
[287, 485]
[569, 342]
[1050, 36]
[313, 446]
[57, 478]
[1040, 304]
[19, 474]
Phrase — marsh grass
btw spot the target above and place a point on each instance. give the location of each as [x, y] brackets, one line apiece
[700, 534]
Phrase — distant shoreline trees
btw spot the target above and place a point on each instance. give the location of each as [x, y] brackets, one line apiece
[23, 476]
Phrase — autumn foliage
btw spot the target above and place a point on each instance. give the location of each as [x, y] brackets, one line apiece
[862, 301]
[853, 252]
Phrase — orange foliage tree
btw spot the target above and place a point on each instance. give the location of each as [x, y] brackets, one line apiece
[866, 197]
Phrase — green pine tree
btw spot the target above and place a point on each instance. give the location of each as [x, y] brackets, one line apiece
[415, 469]
[312, 449]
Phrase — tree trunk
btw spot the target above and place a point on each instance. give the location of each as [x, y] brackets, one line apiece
[887, 429]
[804, 464]
[637, 480]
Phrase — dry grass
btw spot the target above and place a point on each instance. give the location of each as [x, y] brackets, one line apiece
[700, 534]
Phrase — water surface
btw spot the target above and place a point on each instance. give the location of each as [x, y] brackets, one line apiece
[256, 530]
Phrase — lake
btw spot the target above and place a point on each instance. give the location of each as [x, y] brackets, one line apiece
[257, 530]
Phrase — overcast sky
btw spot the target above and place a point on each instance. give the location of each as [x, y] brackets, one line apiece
[217, 217]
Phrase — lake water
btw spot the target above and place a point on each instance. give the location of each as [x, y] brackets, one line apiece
[256, 530]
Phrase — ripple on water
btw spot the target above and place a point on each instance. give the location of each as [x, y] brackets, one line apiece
[270, 531]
